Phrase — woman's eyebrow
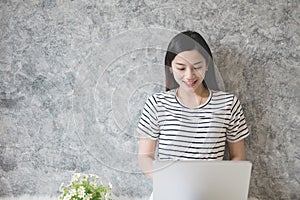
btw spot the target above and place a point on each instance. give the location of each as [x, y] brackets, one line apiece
[197, 62]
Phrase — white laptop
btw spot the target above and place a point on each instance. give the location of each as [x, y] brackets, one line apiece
[201, 180]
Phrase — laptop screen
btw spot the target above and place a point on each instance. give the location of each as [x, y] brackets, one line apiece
[201, 180]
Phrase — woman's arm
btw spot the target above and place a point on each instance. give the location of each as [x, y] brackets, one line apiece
[146, 155]
[237, 150]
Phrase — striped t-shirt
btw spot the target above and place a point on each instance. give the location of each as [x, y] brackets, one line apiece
[198, 133]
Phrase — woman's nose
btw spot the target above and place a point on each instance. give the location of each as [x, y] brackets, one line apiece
[190, 72]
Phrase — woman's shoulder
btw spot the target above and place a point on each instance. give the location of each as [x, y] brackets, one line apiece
[222, 94]
[166, 94]
[160, 97]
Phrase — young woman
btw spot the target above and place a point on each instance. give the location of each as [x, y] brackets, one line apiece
[193, 119]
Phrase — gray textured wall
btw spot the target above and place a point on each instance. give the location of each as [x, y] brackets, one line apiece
[74, 76]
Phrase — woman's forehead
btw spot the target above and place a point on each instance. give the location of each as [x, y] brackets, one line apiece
[189, 56]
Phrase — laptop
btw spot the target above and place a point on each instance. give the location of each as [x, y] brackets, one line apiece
[201, 180]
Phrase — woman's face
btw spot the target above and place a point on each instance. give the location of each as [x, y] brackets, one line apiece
[189, 70]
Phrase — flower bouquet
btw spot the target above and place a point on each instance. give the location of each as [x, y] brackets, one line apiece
[86, 187]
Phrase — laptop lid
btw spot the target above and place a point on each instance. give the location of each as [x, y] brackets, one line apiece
[201, 180]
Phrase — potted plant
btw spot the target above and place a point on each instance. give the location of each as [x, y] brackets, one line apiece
[86, 187]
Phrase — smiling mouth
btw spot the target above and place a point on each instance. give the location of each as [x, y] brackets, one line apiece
[191, 84]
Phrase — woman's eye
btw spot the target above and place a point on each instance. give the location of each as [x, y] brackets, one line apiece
[180, 68]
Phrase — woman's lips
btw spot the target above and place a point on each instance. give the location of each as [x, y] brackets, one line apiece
[190, 84]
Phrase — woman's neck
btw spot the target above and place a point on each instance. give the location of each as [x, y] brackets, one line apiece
[193, 99]
[199, 92]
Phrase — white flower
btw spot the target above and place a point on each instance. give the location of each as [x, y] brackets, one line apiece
[92, 175]
[110, 185]
[88, 197]
[67, 197]
[106, 196]
[61, 187]
[73, 192]
[75, 177]
[81, 192]
[84, 177]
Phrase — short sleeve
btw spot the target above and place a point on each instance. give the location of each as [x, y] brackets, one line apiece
[148, 124]
[237, 128]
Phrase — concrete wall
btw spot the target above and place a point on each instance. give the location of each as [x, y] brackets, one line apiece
[74, 76]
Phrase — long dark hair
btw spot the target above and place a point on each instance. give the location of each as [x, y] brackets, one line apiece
[187, 41]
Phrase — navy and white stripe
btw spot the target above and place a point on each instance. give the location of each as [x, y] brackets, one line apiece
[199, 133]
